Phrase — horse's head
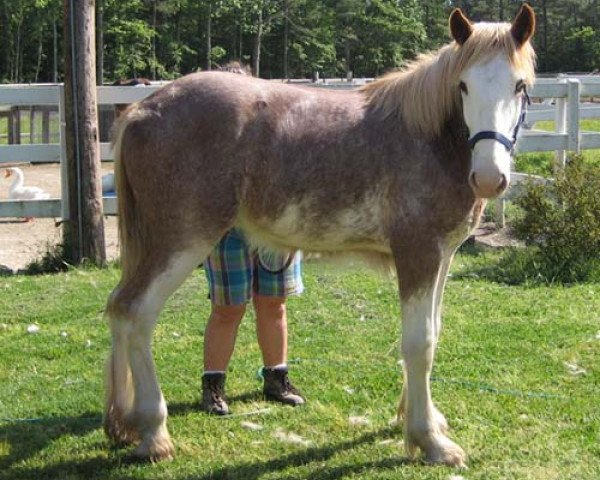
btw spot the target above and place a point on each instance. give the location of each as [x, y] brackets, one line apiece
[493, 91]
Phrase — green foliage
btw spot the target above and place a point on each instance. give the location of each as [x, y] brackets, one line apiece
[312, 34]
[583, 45]
[217, 54]
[128, 39]
[164, 39]
[562, 220]
[377, 35]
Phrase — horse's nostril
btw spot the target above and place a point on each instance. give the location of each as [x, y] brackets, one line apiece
[472, 180]
[503, 184]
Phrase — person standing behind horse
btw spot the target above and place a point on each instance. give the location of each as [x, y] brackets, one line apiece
[236, 275]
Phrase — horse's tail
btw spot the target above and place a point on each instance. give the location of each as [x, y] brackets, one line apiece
[131, 226]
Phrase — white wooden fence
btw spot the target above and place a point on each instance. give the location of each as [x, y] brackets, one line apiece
[27, 95]
[562, 104]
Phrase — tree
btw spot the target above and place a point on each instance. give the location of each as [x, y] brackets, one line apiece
[309, 45]
[376, 35]
[164, 39]
[128, 39]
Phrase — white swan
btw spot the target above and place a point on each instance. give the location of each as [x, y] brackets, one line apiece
[18, 192]
[108, 182]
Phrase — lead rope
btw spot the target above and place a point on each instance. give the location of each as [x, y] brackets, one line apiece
[287, 264]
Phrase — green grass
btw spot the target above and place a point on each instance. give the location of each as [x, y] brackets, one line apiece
[500, 378]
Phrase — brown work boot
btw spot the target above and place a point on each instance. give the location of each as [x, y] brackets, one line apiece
[213, 394]
[278, 388]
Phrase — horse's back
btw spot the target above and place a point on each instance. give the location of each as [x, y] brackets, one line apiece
[228, 123]
[219, 111]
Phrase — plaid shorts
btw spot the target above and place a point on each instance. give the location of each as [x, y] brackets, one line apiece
[235, 273]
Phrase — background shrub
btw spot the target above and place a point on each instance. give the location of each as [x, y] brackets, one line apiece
[561, 221]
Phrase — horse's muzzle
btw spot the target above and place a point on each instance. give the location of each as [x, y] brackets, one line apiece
[488, 186]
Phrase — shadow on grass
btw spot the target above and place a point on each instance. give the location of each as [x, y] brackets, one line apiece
[247, 397]
[183, 408]
[27, 439]
[317, 455]
[90, 468]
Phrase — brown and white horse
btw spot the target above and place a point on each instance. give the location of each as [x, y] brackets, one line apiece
[388, 171]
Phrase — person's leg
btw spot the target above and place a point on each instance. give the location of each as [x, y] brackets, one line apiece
[229, 273]
[220, 334]
[219, 341]
[270, 293]
[271, 329]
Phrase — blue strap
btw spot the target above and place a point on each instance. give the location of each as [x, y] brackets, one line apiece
[490, 135]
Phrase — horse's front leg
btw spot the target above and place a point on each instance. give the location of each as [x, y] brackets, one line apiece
[440, 284]
[421, 280]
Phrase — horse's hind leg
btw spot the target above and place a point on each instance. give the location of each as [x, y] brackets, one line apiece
[135, 409]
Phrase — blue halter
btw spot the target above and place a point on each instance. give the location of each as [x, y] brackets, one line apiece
[508, 143]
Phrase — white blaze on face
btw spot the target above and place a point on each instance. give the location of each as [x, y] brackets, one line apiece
[491, 94]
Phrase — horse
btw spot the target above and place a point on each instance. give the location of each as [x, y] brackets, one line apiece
[398, 171]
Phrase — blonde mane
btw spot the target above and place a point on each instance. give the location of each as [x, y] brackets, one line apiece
[425, 93]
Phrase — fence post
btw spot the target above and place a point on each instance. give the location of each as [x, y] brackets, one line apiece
[46, 125]
[64, 169]
[14, 133]
[10, 127]
[32, 128]
[573, 98]
[560, 126]
[83, 233]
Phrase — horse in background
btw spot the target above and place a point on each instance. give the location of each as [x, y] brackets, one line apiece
[398, 171]
[130, 82]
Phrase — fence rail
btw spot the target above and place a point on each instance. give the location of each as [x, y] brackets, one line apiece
[563, 101]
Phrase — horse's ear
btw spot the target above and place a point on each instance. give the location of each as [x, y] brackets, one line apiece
[460, 27]
[523, 25]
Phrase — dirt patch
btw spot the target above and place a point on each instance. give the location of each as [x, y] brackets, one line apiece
[23, 242]
[488, 235]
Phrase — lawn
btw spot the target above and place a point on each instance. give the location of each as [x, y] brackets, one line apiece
[516, 375]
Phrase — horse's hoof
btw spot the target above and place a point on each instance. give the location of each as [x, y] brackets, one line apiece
[155, 451]
[450, 456]
[438, 450]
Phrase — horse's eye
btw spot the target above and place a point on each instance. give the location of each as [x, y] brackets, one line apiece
[463, 88]
[520, 86]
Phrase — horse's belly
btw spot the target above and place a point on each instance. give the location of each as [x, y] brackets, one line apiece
[301, 227]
